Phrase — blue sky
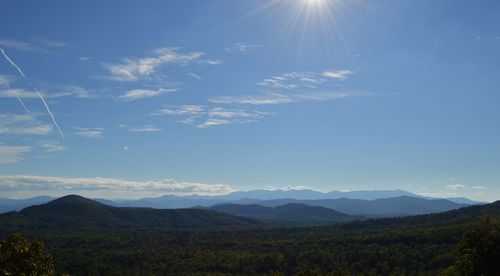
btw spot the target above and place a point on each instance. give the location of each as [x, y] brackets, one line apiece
[207, 97]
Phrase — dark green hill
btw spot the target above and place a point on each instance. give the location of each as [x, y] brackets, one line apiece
[460, 216]
[387, 207]
[295, 213]
[78, 212]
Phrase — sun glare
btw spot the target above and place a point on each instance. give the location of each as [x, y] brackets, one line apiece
[304, 19]
[315, 2]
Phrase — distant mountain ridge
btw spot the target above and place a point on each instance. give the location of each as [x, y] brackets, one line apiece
[254, 196]
[78, 212]
[7, 205]
[291, 212]
[247, 197]
[387, 207]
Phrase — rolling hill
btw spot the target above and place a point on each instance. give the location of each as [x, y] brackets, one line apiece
[387, 207]
[78, 212]
[254, 197]
[291, 212]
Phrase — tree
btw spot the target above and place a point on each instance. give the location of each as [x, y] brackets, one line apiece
[479, 249]
[20, 257]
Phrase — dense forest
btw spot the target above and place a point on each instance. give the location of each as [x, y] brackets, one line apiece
[447, 243]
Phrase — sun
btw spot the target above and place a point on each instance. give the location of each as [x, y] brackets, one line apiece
[303, 21]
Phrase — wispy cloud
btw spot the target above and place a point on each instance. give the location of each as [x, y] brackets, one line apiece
[212, 61]
[52, 43]
[13, 124]
[134, 69]
[52, 147]
[194, 76]
[94, 133]
[19, 45]
[12, 154]
[85, 59]
[191, 110]
[39, 45]
[268, 98]
[242, 47]
[479, 187]
[455, 186]
[47, 108]
[294, 87]
[146, 128]
[213, 122]
[205, 117]
[295, 80]
[339, 74]
[48, 184]
[6, 80]
[56, 92]
[488, 37]
[273, 98]
[289, 188]
[137, 94]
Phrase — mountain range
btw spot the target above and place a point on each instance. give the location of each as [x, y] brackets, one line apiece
[366, 203]
[386, 207]
[290, 213]
[76, 212]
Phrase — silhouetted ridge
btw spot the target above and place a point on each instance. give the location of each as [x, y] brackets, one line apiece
[79, 212]
[291, 212]
[67, 203]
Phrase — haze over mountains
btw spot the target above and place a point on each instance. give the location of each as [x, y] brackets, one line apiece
[356, 203]
[385, 207]
[76, 212]
[289, 213]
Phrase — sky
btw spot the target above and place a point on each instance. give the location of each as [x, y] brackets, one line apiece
[126, 99]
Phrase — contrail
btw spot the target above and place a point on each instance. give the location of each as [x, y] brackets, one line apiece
[18, 98]
[34, 89]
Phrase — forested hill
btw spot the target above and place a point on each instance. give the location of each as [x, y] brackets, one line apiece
[79, 212]
[101, 240]
[463, 215]
[291, 213]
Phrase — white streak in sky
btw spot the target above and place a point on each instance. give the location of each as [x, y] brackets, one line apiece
[18, 98]
[34, 89]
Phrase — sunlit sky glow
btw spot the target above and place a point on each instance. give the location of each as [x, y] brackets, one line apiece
[209, 97]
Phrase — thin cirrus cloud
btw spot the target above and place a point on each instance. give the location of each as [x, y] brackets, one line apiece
[27, 124]
[274, 98]
[294, 80]
[289, 188]
[49, 185]
[205, 117]
[242, 48]
[137, 94]
[12, 154]
[39, 45]
[479, 187]
[64, 91]
[339, 74]
[294, 87]
[134, 69]
[52, 147]
[56, 91]
[455, 186]
[145, 128]
[93, 133]
[195, 76]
